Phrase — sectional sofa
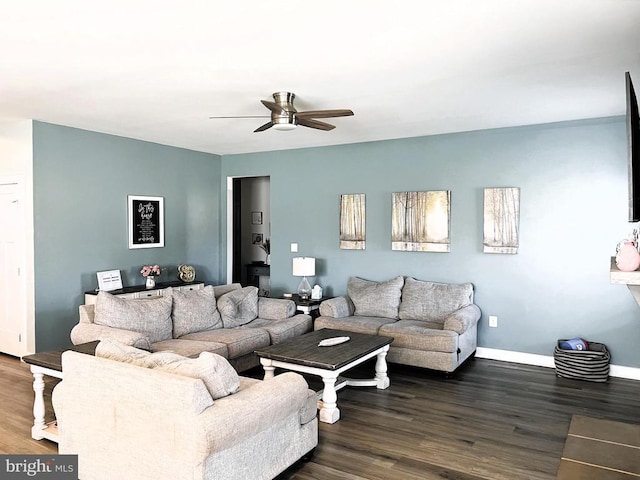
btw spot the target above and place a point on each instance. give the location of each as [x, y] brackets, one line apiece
[434, 325]
[228, 320]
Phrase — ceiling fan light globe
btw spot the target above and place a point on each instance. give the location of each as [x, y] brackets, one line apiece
[284, 127]
[284, 122]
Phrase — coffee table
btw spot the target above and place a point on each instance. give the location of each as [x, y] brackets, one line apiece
[302, 354]
[48, 363]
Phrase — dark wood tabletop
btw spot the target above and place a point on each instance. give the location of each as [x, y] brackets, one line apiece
[142, 288]
[53, 359]
[308, 302]
[304, 350]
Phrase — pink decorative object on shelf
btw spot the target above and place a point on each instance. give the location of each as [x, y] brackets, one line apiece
[149, 272]
[627, 256]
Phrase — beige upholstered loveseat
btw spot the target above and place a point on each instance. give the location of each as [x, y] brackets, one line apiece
[161, 416]
[227, 319]
[434, 325]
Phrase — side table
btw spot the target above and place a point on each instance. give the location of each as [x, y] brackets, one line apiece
[309, 306]
[48, 363]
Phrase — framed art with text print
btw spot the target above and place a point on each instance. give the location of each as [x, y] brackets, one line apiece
[146, 221]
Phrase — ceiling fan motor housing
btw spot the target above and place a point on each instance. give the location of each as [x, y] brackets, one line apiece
[285, 100]
[285, 119]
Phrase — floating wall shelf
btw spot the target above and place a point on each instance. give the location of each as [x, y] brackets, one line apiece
[630, 279]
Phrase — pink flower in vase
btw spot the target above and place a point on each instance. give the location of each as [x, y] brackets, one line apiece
[150, 270]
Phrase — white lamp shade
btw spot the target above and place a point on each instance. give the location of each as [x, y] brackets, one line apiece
[304, 266]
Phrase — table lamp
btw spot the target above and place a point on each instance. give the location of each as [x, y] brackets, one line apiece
[304, 267]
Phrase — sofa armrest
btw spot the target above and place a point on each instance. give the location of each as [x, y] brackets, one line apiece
[275, 308]
[261, 405]
[461, 320]
[90, 332]
[337, 307]
[87, 313]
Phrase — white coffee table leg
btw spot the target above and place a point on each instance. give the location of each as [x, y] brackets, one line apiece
[269, 369]
[38, 406]
[329, 413]
[382, 380]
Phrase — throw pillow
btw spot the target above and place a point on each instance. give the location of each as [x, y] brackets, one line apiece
[150, 317]
[194, 311]
[120, 352]
[238, 307]
[375, 299]
[433, 301]
[214, 370]
[275, 308]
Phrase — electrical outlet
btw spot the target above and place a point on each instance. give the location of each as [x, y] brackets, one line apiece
[493, 321]
[294, 247]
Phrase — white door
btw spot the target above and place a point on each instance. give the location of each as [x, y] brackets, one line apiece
[13, 300]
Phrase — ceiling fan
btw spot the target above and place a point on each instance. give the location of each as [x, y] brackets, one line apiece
[284, 115]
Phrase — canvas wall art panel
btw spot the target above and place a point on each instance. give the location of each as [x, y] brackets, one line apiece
[420, 221]
[352, 221]
[501, 220]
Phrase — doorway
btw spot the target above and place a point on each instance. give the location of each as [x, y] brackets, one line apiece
[249, 239]
[13, 297]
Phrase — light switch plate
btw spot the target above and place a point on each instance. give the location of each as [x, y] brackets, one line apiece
[294, 247]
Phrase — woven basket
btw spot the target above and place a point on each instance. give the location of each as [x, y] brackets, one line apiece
[591, 365]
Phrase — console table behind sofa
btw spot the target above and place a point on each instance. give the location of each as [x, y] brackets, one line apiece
[140, 291]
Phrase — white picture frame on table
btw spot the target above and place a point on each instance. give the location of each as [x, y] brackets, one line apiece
[109, 280]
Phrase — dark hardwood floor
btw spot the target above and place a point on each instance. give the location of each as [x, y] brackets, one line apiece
[493, 420]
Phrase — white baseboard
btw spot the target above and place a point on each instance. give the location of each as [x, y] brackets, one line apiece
[621, 371]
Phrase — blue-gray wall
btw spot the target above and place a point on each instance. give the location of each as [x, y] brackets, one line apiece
[573, 181]
[572, 176]
[81, 183]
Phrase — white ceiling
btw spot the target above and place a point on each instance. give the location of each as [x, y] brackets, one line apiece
[157, 70]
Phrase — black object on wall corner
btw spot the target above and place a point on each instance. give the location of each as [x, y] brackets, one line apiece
[633, 140]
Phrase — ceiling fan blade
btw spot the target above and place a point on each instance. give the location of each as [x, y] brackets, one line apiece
[308, 122]
[262, 128]
[325, 113]
[243, 116]
[274, 107]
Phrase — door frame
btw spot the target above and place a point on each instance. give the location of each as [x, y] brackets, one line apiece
[25, 195]
[230, 229]
[230, 226]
